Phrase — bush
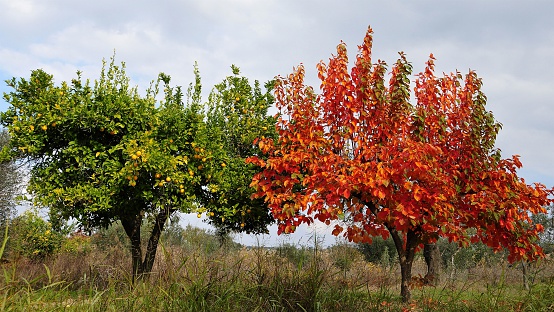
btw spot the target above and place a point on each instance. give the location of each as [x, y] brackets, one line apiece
[110, 237]
[78, 244]
[33, 237]
[379, 251]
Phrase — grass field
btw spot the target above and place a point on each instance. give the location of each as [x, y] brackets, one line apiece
[201, 277]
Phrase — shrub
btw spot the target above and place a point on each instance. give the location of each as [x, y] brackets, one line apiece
[33, 237]
[112, 236]
[78, 244]
[379, 251]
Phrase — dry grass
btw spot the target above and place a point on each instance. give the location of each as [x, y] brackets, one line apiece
[193, 278]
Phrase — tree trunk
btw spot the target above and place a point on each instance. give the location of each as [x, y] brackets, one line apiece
[525, 272]
[406, 273]
[406, 254]
[432, 257]
[157, 230]
[132, 225]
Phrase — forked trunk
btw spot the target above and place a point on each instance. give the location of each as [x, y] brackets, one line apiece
[132, 225]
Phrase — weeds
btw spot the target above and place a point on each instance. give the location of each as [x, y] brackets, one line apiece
[191, 277]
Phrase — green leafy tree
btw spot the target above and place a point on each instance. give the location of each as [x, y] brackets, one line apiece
[380, 250]
[547, 221]
[237, 115]
[101, 152]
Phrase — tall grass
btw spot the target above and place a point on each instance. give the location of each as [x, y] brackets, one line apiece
[191, 277]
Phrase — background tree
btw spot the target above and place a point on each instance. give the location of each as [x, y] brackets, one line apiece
[10, 183]
[547, 221]
[378, 251]
[102, 152]
[432, 256]
[237, 115]
[362, 153]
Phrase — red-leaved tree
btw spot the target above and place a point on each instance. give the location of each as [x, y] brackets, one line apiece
[362, 157]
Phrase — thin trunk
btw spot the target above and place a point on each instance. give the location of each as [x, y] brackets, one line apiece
[157, 230]
[453, 269]
[525, 271]
[432, 257]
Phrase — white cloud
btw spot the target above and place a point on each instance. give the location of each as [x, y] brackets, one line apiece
[509, 43]
[18, 8]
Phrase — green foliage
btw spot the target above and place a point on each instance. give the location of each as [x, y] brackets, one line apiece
[379, 251]
[455, 257]
[112, 236]
[547, 221]
[194, 238]
[77, 244]
[237, 115]
[102, 151]
[33, 237]
[298, 256]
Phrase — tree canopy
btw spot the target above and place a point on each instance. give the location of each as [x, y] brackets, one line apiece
[236, 115]
[361, 155]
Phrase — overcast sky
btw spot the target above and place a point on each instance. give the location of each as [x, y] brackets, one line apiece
[509, 43]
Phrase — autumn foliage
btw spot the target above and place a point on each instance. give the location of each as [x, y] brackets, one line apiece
[361, 157]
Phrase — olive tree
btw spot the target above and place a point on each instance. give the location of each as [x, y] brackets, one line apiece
[10, 183]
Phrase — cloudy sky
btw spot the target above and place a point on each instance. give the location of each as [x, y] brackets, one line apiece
[509, 43]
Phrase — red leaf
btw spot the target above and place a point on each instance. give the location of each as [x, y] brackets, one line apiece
[346, 193]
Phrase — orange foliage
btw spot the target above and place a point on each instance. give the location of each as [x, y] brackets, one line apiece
[362, 154]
